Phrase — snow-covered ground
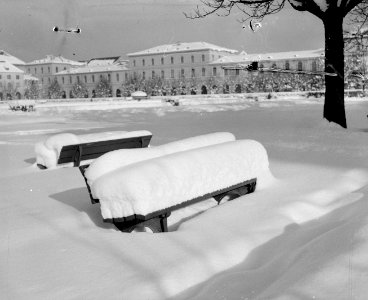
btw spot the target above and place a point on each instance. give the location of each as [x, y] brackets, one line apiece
[303, 237]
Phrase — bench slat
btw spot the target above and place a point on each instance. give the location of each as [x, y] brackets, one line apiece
[79, 152]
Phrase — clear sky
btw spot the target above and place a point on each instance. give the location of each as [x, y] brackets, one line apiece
[118, 27]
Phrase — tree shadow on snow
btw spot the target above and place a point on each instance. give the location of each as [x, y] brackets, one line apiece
[79, 199]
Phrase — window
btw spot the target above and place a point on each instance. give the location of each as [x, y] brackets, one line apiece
[64, 68]
[17, 77]
[57, 69]
[0, 76]
[126, 76]
[93, 78]
[49, 80]
[85, 78]
[162, 60]
[237, 72]
[101, 76]
[8, 76]
[41, 70]
[63, 80]
[226, 72]
[70, 79]
[162, 74]
[109, 77]
[203, 71]
[153, 74]
[193, 73]
[203, 57]
[134, 62]
[29, 70]
[143, 75]
[274, 66]
[214, 71]
[117, 77]
[192, 58]
[153, 61]
[48, 69]
[172, 74]
[182, 74]
[182, 59]
[78, 79]
[287, 65]
[172, 59]
[35, 70]
[143, 62]
[213, 57]
[314, 66]
[300, 66]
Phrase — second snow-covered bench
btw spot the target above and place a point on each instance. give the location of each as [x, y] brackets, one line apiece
[145, 193]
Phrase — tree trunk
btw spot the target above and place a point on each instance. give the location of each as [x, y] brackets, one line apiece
[334, 107]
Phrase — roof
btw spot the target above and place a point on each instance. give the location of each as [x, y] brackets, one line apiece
[5, 56]
[93, 69]
[29, 77]
[6, 67]
[290, 55]
[51, 59]
[182, 47]
[103, 61]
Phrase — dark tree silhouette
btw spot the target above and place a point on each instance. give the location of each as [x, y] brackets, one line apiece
[330, 12]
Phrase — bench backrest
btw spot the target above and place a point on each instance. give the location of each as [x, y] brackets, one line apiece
[86, 151]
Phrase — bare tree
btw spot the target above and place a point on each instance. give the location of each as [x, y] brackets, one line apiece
[330, 12]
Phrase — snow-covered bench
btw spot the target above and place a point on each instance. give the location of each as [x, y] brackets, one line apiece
[67, 149]
[123, 157]
[146, 192]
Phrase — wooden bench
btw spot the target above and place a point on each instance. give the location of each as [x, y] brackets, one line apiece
[142, 195]
[77, 153]
[87, 151]
[157, 221]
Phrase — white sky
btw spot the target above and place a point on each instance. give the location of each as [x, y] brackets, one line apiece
[118, 27]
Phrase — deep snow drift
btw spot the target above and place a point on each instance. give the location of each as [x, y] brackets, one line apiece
[303, 237]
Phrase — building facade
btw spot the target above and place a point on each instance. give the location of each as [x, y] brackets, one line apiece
[111, 70]
[12, 83]
[177, 61]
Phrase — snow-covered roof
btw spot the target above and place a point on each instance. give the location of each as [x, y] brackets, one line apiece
[103, 61]
[5, 56]
[291, 55]
[51, 59]
[6, 67]
[182, 47]
[29, 77]
[93, 69]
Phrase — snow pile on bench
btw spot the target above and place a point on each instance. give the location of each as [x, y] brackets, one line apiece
[162, 182]
[122, 157]
[48, 151]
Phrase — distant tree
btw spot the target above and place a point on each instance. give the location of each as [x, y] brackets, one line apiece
[103, 88]
[32, 90]
[330, 12]
[54, 90]
[79, 90]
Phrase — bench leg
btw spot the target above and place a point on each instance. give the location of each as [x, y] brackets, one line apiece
[235, 193]
[157, 224]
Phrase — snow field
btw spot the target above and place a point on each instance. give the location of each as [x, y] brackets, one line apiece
[265, 245]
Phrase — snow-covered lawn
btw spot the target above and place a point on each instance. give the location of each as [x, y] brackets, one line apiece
[303, 237]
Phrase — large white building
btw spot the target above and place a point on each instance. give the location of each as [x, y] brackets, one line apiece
[177, 61]
[113, 69]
